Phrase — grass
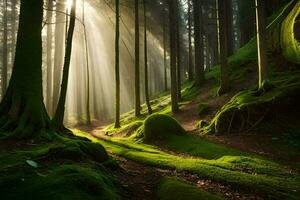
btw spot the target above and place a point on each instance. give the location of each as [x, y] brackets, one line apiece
[171, 188]
[253, 174]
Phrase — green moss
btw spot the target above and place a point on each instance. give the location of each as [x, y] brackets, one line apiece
[276, 181]
[67, 181]
[159, 127]
[174, 188]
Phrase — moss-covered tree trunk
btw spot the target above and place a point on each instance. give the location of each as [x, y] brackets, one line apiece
[172, 30]
[58, 118]
[261, 41]
[199, 65]
[22, 111]
[146, 62]
[223, 42]
[117, 64]
[137, 60]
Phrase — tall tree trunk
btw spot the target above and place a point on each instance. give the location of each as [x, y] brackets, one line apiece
[49, 57]
[172, 28]
[223, 38]
[146, 61]
[165, 51]
[137, 60]
[13, 30]
[191, 62]
[5, 50]
[59, 51]
[261, 41]
[88, 111]
[22, 111]
[178, 49]
[199, 63]
[117, 64]
[229, 28]
[60, 111]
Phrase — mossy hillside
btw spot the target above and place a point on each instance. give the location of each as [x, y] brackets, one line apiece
[160, 105]
[247, 109]
[159, 127]
[69, 169]
[203, 108]
[265, 177]
[171, 188]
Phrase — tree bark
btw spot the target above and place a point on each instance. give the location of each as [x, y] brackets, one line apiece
[58, 119]
[178, 49]
[146, 61]
[49, 58]
[4, 49]
[59, 51]
[191, 62]
[223, 42]
[137, 60]
[165, 51]
[22, 111]
[172, 28]
[117, 64]
[261, 41]
[199, 63]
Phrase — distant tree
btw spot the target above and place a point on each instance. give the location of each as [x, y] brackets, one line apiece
[229, 28]
[58, 118]
[22, 111]
[117, 64]
[165, 48]
[199, 63]
[137, 60]
[261, 41]
[223, 42]
[191, 62]
[173, 45]
[49, 57]
[246, 20]
[59, 50]
[178, 49]
[4, 49]
[146, 61]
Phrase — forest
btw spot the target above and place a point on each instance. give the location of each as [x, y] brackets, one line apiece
[149, 99]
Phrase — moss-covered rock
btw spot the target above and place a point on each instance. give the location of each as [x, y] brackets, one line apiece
[159, 127]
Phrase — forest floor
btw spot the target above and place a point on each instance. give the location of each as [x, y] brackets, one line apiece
[139, 180]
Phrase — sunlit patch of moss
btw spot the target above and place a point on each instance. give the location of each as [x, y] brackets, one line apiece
[171, 188]
[159, 127]
[275, 182]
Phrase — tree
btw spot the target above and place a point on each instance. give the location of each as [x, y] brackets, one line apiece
[146, 61]
[58, 118]
[49, 57]
[5, 50]
[229, 28]
[117, 64]
[137, 60]
[191, 62]
[59, 47]
[261, 41]
[22, 111]
[165, 48]
[199, 63]
[172, 30]
[223, 49]
[178, 49]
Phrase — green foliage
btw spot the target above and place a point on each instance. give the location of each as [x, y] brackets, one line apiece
[159, 127]
[173, 188]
